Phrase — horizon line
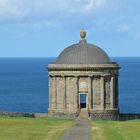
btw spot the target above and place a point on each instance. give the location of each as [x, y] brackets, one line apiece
[57, 56]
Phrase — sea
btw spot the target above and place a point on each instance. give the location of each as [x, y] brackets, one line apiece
[24, 84]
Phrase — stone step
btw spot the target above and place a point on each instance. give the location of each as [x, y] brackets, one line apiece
[83, 114]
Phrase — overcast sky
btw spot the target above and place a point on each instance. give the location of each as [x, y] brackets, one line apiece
[43, 28]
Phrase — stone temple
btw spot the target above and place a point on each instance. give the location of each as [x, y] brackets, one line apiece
[83, 77]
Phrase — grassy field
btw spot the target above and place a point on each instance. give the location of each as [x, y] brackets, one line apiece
[33, 129]
[110, 130]
[52, 129]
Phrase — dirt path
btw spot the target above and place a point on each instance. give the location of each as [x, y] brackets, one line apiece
[81, 131]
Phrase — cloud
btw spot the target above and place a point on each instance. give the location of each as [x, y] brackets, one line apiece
[94, 4]
[123, 27]
[23, 9]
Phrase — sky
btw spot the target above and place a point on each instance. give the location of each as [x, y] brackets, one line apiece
[43, 28]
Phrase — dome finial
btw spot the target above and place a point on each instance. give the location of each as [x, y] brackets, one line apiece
[82, 34]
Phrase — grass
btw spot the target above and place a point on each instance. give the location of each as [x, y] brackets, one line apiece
[112, 130]
[53, 128]
[33, 129]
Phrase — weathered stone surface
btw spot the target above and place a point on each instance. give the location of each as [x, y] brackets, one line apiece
[105, 115]
[17, 114]
[60, 92]
[71, 97]
[96, 88]
[68, 81]
[107, 93]
[40, 115]
[63, 114]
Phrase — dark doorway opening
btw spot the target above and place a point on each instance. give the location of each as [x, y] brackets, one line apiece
[83, 100]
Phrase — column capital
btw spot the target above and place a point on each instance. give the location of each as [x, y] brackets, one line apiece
[107, 75]
[90, 76]
[113, 76]
[102, 76]
[63, 76]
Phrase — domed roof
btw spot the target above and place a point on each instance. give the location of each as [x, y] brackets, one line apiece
[83, 53]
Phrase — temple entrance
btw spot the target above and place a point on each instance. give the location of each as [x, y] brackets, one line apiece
[83, 100]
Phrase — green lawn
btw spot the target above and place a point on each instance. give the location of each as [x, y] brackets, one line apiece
[33, 129]
[111, 130]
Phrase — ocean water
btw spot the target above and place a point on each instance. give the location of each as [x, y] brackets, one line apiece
[24, 84]
[129, 84]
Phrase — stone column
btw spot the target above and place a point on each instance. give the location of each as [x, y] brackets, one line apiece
[112, 93]
[65, 93]
[102, 83]
[55, 92]
[77, 84]
[90, 103]
[76, 92]
[50, 92]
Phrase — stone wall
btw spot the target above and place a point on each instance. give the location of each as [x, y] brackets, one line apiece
[83, 84]
[104, 115]
[96, 91]
[72, 96]
[20, 114]
[60, 93]
[15, 114]
[96, 115]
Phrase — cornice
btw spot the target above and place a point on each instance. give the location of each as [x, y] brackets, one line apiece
[87, 67]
